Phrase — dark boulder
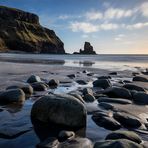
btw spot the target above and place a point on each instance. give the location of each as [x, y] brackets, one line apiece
[89, 98]
[86, 91]
[114, 100]
[133, 87]
[124, 135]
[81, 82]
[140, 78]
[12, 96]
[103, 83]
[106, 106]
[57, 112]
[39, 86]
[121, 143]
[140, 98]
[118, 92]
[33, 78]
[53, 83]
[106, 122]
[127, 120]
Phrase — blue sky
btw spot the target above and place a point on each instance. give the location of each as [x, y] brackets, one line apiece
[112, 26]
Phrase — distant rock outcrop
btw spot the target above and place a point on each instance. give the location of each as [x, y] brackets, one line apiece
[88, 49]
[21, 31]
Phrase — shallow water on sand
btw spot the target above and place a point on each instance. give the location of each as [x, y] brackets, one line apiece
[110, 62]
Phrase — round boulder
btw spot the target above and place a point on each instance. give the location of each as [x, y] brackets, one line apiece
[89, 98]
[39, 86]
[12, 96]
[53, 83]
[103, 83]
[33, 78]
[118, 92]
[124, 135]
[86, 91]
[62, 111]
[27, 88]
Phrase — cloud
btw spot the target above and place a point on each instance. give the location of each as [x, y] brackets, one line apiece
[144, 9]
[64, 17]
[113, 13]
[85, 36]
[119, 37]
[83, 26]
[108, 26]
[137, 26]
[94, 15]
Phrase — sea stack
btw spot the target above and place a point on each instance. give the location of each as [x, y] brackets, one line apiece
[88, 49]
[21, 31]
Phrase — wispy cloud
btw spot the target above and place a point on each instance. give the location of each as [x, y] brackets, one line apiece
[64, 17]
[119, 37]
[83, 26]
[137, 26]
[94, 15]
[144, 9]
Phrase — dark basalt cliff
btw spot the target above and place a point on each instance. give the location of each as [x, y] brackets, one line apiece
[21, 31]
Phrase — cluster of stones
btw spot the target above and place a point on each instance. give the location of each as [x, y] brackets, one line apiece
[58, 117]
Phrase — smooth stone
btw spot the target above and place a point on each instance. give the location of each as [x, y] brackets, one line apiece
[12, 96]
[76, 143]
[127, 81]
[79, 97]
[63, 111]
[90, 74]
[106, 122]
[84, 71]
[113, 73]
[114, 100]
[53, 83]
[65, 135]
[118, 92]
[86, 91]
[140, 98]
[133, 87]
[39, 86]
[33, 78]
[104, 77]
[140, 78]
[103, 83]
[127, 120]
[27, 88]
[106, 106]
[89, 98]
[81, 82]
[130, 135]
[50, 142]
[120, 143]
[71, 76]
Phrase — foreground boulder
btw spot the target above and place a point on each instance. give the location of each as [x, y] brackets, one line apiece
[124, 135]
[89, 98]
[39, 86]
[21, 31]
[140, 98]
[121, 143]
[60, 111]
[12, 96]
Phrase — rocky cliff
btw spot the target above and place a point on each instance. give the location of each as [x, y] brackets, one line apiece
[21, 31]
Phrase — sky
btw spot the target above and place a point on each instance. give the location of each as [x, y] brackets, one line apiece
[111, 26]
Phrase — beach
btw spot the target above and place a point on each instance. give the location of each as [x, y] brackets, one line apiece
[73, 74]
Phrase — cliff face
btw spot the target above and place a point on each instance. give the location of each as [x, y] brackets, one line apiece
[21, 31]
